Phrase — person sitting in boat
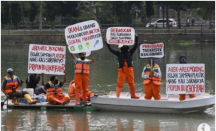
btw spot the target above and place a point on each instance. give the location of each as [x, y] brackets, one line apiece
[125, 68]
[152, 80]
[81, 77]
[54, 93]
[10, 86]
[72, 94]
[183, 60]
[32, 82]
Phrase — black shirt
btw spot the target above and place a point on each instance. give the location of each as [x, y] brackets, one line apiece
[32, 81]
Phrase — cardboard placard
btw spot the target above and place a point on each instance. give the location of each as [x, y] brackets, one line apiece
[48, 59]
[151, 50]
[120, 35]
[83, 37]
[185, 78]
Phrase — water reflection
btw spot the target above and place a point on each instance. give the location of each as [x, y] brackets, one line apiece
[61, 120]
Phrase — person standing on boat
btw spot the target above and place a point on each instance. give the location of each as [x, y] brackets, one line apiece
[183, 60]
[81, 77]
[10, 86]
[152, 80]
[32, 82]
[125, 68]
[54, 93]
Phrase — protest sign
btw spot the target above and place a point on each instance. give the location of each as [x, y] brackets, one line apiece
[151, 50]
[120, 35]
[185, 78]
[83, 37]
[46, 59]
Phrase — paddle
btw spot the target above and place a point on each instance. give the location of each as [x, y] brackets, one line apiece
[2, 103]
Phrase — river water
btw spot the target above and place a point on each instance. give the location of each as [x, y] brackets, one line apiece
[103, 75]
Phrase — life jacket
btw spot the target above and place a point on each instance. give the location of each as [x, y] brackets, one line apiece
[54, 89]
[82, 66]
[11, 84]
[121, 59]
[155, 80]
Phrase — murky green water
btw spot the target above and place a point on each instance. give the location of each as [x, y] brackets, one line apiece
[103, 75]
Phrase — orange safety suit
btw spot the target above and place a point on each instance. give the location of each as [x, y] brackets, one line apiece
[183, 97]
[55, 95]
[11, 85]
[81, 78]
[72, 93]
[152, 84]
[125, 72]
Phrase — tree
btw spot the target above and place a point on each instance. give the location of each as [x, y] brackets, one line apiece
[15, 13]
[149, 10]
[33, 11]
[206, 10]
[5, 12]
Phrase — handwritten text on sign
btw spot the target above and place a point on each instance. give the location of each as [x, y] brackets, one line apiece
[46, 59]
[83, 37]
[185, 78]
[120, 35]
[151, 50]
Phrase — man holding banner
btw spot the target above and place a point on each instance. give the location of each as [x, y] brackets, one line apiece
[81, 76]
[54, 91]
[183, 60]
[125, 67]
[152, 80]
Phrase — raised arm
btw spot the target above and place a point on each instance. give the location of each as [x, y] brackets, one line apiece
[112, 51]
[92, 59]
[135, 45]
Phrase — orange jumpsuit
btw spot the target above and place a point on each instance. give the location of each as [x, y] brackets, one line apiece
[125, 73]
[55, 95]
[81, 78]
[72, 94]
[152, 84]
[183, 97]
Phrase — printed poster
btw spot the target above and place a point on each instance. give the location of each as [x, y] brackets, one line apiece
[120, 35]
[47, 59]
[185, 78]
[83, 37]
[151, 50]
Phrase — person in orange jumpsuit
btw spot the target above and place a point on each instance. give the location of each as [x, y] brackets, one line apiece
[183, 60]
[10, 86]
[54, 93]
[72, 93]
[81, 77]
[152, 80]
[125, 68]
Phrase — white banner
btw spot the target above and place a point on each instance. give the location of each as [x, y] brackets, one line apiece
[185, 78]
[120, 35]
[48, 59]
[151, 50]
[83, 37]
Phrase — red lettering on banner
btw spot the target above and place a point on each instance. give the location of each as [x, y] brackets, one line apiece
[74, 41]
[73, 29]
[191, 69]
[47, 68]
[173, 69]
[152, 46]
[45, 48]
[120, 30]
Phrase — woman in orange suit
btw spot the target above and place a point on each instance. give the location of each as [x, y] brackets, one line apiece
[81, 77]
